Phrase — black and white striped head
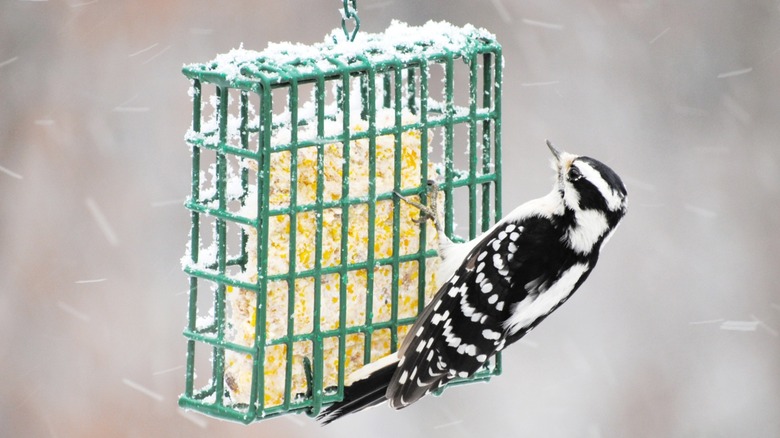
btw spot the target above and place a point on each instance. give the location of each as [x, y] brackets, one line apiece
[588, 184]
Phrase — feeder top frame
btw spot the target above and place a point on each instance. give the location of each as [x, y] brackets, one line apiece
[399, 45]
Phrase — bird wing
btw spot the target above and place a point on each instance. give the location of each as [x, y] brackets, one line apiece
[462, 326]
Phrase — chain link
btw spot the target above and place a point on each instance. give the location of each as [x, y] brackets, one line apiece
[350, 13]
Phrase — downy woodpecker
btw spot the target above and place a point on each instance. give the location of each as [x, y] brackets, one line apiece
[498, 286]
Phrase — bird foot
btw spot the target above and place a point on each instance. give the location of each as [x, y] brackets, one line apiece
[426, 212]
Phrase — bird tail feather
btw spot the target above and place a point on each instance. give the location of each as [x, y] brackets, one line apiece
[365, 388]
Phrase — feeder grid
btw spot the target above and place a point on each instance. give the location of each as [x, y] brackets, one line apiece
[303, 264]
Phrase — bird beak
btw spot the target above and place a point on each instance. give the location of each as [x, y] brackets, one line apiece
[556, 153]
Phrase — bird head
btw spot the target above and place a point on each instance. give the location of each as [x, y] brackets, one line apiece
[588, 184]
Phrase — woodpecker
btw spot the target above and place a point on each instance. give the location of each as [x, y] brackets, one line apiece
[498, 286]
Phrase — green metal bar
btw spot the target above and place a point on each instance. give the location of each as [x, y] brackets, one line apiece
[276, 76]
[219, 298]
[387, 98]
[364, 91]
[432, 123]
[412, 92]
[421, 261]
[497, 87]
[472, 62]
[220, 214]
[214, 276]
[272, 412]
[194, 241]
[244, 173]
[220, 411]
[448, 146]
[293, 107]
[204, 337]
[257, 396]
[487, 81]
[397, 160]
[214, 410]
[377, 325]
[343, 273]
[370, 96]
[317, 347]
[482, 179]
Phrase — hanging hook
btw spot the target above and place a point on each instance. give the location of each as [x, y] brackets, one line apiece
[350, 13]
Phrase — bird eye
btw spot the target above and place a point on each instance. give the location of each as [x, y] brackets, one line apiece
[574, 174]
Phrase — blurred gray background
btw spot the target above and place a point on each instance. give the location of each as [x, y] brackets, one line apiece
[675, 334]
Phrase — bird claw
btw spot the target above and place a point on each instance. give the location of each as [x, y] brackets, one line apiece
[426, 212]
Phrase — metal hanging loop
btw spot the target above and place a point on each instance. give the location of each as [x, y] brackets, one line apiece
[350, 13]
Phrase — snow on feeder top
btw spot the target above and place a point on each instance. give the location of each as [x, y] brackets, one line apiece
[303, 265]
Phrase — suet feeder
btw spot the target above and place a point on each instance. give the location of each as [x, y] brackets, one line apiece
[303, 265]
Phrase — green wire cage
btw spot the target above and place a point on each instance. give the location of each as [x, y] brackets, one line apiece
[303, 264]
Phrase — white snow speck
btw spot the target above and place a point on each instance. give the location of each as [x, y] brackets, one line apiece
[663, 32]
[296, 420]
[100, 218]
[72, 312]
[168, 202]
[131, 109]
[708, 321]
[553, 26]
[739, 326]
[143, 50]
[538, 84]
[168, 370]
[735, 109]
[78, 5]
[198, 421]
[502, 11]
[125, 108]
[201, 31]
[10, 173]
[764, 326]
[699, 211]
[377, 5]
[451, 423]
[8, 61]
[96, 280]
[143, 390]
[731, 74]
[151, 58]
